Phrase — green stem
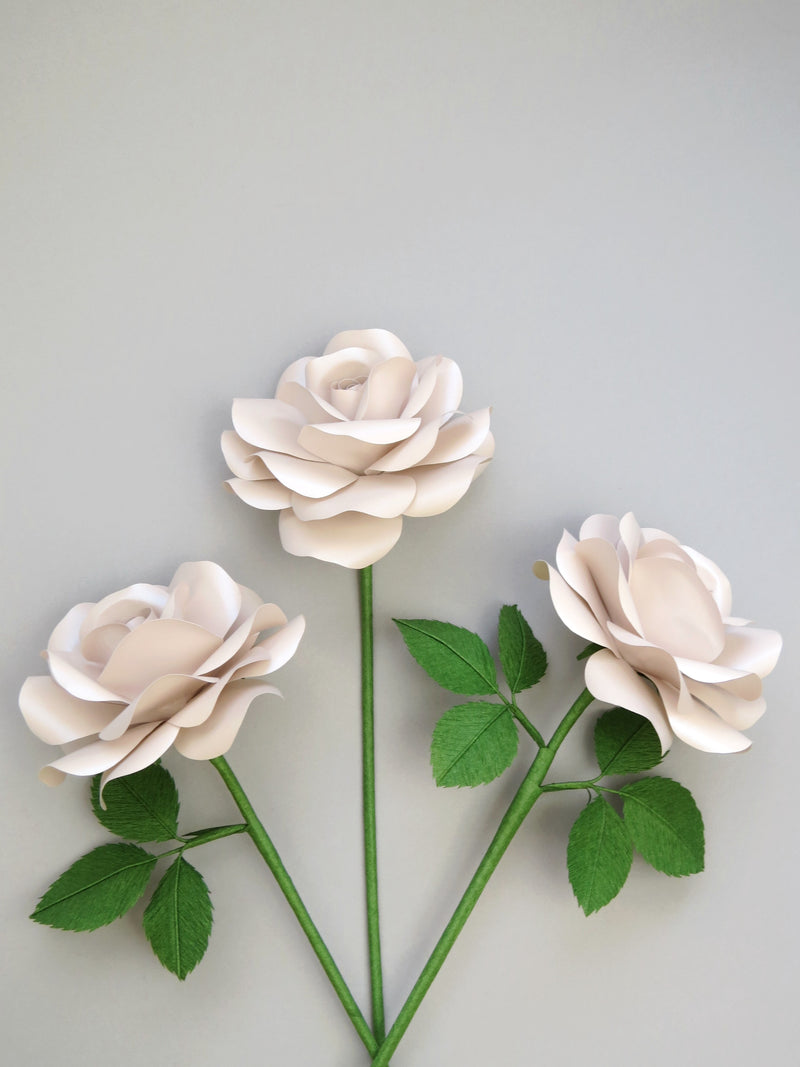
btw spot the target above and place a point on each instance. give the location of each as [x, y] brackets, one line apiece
[265, 846]
[528, 793]
[524, 722]
[213, 833]
[368, 787]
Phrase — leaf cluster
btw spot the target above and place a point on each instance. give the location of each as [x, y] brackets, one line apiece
[659, 816]
[108, 881]
[475, 742]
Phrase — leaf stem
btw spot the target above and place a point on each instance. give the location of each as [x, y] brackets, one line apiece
[524, 721]
[268, 851]
[368, 793]
[528, 793]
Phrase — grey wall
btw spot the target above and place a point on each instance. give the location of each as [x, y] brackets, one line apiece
[592, 206]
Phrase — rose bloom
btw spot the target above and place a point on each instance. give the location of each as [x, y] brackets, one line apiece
[354, 440]
[661, 612]
[152, 666]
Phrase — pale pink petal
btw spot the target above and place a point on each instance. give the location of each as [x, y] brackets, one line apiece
[439, 488]
[157, 647]
[267, 424]
[610, 679]
[67, 634]
[373, 431]
[386, 390]
[422, 390]
[719, 674]
[676, 610]
[348, 363]
[351, 540]
[650, 533]
[146, 752]
[158, 701]
[98, 644]
[139, 601]
[739, 713]
[630, 535]
[213, 599]
[382, 495]
[605, 527]
[251, 603]
[98, 756]
[56, 716]
[341, 450]
[697, 725]
[410, 452]
[241, 457]
[312, 408]
[713, 579]
[266, 617]
[644, 656]
[460, 437]
[346, 395]
[70, 673]
[576, 573]
[605, 568]
[216, 735]
[295, 372]
[198, 709]
[570, 608]
[384, 343]
[751, 649]
[276, 650]
[306, 478]
[661, 548]
[267, 495]
[485, 450]
[445, 399]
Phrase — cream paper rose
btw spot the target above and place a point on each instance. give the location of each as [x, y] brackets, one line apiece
[354, 440]
[152, 666]
[662, 612]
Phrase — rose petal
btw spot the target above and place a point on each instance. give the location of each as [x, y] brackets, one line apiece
[70, 671]
[216, 735]
[439, 488]
[56, 716]
[351, 540]
[275, 651]
[268, 424]
[576, 573]
[605, 527]
[146, 752]
[445, 398]
[713, 579]
[342, 451]
[697, 726]
[739, 713]
[605, 568]
[265, 618]
[98, 756]
[67, 634]
[324, 371]
[139, 601]
[750, 649]
[213, 599]
[570, 608]
[386, 391]
[306, 478]
[158, 701]
[312, 408]
[98, 644]
[611, 680]
[382, 342]
[644, 656]
[267, 495]
[241, 457]
[676, 610]
[460, 437]
[382, 495]
[372, 431]
[424, 383]
[157, 647]
[409, 452]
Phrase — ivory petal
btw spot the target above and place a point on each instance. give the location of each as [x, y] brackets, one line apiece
[351, 540]
[382, 495]
[439, 488]
[216, 735]
[611, 680]
[56, 716]
[266, 495]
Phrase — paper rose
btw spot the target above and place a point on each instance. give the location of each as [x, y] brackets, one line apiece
[662, 612]
[152, 666]
[354, 440]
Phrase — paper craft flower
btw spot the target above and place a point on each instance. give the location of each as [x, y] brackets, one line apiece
[151, 666]
[354, 440]
[662, 612]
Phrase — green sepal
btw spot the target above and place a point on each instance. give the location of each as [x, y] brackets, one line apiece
[590, 650]
[139, 807]
[665, 824]
[523, 659]
[473, 744]
[178, 919]
[457, 659]
[599, 855]
[97, 888]
[625, 743]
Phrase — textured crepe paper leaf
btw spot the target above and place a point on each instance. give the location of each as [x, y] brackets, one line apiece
[521, 654]
[473, 744]
[625, 743]
[665, 824]
[599, 855]
[140, 807]
[455, 658]
[97, 889]
[177, 921]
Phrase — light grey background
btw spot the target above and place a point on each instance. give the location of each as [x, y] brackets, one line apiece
[592, 207]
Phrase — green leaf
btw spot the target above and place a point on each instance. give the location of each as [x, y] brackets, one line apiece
[665, 824]
[177, 921]
[454, 657]
[625, 743]
[473, 743]
[590, 650]
[599, 855]
[521, 654]
[140, 807]
[97, 889]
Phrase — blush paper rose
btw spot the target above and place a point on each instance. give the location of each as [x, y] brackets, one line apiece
[354, 440]
[661, 611]
[152, 666]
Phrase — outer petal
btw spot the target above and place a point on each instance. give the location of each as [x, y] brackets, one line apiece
[275, 651]
[697, 725]
[146, 752]
[438, 488]
[384, 343]
[268, 424]
[157, 702]
[460, 437]
[56, 716]
[266, 617]
[606, 527]
[98, 756]
[216, 735]
[339, 449]
[605, 567]
[351, 540]
[305, 477]
[610, 679]
[71, 674]
[409, 452]
[750, 649]
[445, 399]
[382, 495]
[570, 608]
[739, 713]
[268, 495]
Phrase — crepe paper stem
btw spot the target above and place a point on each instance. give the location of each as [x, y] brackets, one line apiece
[557, 787]
[214, 833]
[262, 841]
[368, 787]
[525, 723]
[528, 793]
